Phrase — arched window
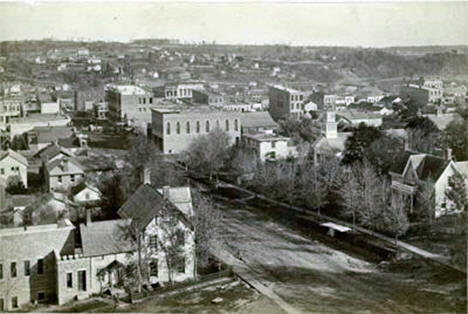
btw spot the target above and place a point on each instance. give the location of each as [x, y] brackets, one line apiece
[188, 127]
[236, 125]
[178, 127]
[168, 128]
[227, 125]
[198, 126]
[207, 126]
[217, 124]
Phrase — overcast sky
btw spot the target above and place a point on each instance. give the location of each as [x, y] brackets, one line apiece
[351, 24]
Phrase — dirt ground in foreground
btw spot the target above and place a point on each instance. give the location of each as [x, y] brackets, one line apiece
[314, 277]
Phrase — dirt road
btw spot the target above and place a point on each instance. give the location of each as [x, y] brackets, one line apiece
[315, 278]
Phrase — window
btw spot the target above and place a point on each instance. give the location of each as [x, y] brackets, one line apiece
[27, 268]
[87, 195]
[59, 179]
[180, 239]
[144, 101]
[198, 128]
[1, 271]
[236, 125]
[153, 242]
[188, 127]
[69, 280]
[2, 305]
[273, 144]
[12, 168]
[217, 124]
[154, 268]
[227, 125]
[40, 296]
[168, 128]
[151, 100]
[72, 178]
[178, 127]
[40, 266]
[181, 265]
[13, 270]
[207, 126]
[14, 302]
[301, 97]
[2, 171]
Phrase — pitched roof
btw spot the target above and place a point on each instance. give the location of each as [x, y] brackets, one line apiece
[142, 206]
[257, 120]
[442, 120]
[48, 134]
[81, 186]
[181, 198]
[65, 161]
[51, 151]
[16, 156]
[431, 167]
[102, 237]
[146, 203]
[399, 162]
[324, 144]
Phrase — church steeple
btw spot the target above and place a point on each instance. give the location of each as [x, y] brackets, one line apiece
[330, 126]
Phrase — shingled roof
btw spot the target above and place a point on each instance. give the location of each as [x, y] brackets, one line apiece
[102, 238]
[257, 120]
[145, 204]
[16, 156]
[432, 167]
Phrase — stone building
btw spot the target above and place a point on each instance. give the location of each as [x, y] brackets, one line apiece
[175, 127]
[285, 102]
[129, 104]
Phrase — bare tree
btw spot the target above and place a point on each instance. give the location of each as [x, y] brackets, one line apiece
[426, 200]
[207, 225]
[396, 218]
[171, 239]
[209, 153]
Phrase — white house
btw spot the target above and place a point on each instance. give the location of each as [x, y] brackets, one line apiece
[85, 193]
[410, 169]
[145, 209]
[13, 164]
[270, 146]
[63, 173]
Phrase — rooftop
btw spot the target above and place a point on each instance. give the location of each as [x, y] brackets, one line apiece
[358, 115]
[443, 120]
[257, 119]
[287, 89]
[37, 228]
[102, 237]
[167, 106]
[264, 137]
[129, 89]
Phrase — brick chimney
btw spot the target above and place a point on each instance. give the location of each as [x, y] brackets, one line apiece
[449, 154]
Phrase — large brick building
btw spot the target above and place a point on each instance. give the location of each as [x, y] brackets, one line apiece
[285, 102]
[175, 127]
[130, 104]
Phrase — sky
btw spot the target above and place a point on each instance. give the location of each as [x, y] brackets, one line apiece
[377, 24]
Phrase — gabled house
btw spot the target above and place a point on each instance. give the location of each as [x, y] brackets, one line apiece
[63, 173]
[13, 164]
[85, 193]
[410, 169]
[52, 152]
[144, 208]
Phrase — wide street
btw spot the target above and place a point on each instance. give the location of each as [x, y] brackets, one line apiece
[313, 277]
